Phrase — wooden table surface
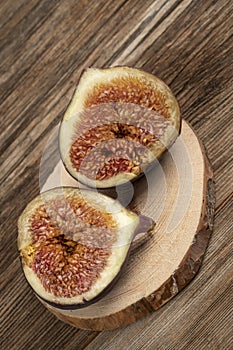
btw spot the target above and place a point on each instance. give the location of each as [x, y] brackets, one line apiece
[45, 44]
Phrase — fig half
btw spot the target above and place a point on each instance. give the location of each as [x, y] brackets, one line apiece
[73, 244]
[119, 122]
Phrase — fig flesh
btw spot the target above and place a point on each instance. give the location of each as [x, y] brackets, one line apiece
[73, 244]
[119, 122]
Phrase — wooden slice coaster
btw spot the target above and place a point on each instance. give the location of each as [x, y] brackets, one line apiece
[178, 194]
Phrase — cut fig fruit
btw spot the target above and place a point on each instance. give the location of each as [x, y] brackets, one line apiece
[73, 244]
[119, 122]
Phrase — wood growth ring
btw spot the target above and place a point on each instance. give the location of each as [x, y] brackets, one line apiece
[178, 194]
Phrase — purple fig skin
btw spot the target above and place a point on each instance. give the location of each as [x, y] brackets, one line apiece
[87, 303]
[136, 178]
[151, 165]
[145, 224]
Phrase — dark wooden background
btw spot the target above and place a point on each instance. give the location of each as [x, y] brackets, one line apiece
[44, 46]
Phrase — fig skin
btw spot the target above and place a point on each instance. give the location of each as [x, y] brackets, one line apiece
[113, 268]
[91, 79]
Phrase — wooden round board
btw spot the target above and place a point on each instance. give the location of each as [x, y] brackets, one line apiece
[178, 194]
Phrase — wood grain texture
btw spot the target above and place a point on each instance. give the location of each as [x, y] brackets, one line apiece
[178, 194]
[44, 46]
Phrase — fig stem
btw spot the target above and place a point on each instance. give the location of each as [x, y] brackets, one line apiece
[145, 224]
